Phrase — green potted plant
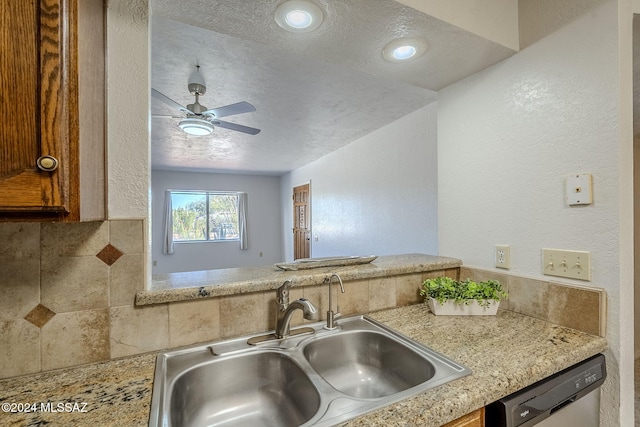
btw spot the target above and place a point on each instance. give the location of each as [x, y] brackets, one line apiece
[447, 296]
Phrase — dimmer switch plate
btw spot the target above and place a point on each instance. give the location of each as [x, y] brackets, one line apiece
[563, 263]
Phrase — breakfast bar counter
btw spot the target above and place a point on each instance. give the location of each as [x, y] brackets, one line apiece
[192, 285]
[506, 352]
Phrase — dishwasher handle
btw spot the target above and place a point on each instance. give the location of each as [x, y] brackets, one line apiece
[559, 406]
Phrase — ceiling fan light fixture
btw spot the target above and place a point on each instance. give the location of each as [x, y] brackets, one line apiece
[298, 16]
[197, 127]
[404, 49]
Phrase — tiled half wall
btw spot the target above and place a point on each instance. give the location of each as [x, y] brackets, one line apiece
[67, 298]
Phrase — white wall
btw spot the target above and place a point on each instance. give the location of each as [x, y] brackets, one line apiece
[263, 223]
[507, 138]
[375, 196]
[128, 109]
[500, 181]
[495, 20]
[538, 18]
[625, 320]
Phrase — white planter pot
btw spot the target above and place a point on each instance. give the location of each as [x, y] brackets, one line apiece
[450, 308]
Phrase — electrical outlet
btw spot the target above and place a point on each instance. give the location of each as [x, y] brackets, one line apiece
[503, 256]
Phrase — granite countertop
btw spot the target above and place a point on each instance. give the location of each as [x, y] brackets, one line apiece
[506, 353]
[231, 281]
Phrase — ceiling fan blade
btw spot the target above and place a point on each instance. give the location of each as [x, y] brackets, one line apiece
[230, 110]
[236, 127]
[167, 116]
[164, 98]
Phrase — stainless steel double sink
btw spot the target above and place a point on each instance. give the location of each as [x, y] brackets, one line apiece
[319, 379]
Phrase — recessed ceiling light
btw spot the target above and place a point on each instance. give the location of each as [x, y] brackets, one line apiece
[404, 49]
[299, 19]
[298, 16]
[198, 127]
[404, 52]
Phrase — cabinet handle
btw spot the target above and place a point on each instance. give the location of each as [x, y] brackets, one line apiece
[47, 163]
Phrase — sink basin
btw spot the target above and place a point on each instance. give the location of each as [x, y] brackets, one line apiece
[367, 364]
[257, 389]
[308, 380]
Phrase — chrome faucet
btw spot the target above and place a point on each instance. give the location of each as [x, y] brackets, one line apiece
[285, 310]
[331, 316]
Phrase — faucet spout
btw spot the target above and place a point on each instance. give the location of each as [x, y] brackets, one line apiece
[284, 313]
[283, 324]
[331, 316]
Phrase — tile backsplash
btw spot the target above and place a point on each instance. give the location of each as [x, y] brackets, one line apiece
[67, 298]
[578, 307]
[58, 283]
[68, 294]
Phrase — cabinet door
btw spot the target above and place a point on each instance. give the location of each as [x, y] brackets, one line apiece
[472, 419]
[37, 93]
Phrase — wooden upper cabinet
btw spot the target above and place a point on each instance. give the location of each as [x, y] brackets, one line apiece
[53, 108]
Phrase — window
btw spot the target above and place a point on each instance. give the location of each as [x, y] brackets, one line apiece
[204, 216]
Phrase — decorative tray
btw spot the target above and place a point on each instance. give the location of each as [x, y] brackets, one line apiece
[334, 261]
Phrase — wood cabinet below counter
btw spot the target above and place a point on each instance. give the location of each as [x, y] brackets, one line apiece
[472, 419]
[52, 138]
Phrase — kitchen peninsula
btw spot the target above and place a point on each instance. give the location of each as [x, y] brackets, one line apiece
[232, 281]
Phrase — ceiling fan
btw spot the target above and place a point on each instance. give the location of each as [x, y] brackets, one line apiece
[201, 121]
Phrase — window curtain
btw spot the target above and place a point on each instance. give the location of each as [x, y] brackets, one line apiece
[242, 219]
[167, 242]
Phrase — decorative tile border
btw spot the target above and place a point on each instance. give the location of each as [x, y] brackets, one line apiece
[109, 254]
[39, 316]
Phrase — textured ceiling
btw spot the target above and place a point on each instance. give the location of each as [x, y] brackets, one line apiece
[313, 92]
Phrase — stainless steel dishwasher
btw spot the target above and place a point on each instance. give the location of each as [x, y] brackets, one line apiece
[570, 398]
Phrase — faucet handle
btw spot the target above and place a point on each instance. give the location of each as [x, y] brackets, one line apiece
[282, 293]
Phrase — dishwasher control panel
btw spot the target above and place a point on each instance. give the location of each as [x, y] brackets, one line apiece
[540, 400]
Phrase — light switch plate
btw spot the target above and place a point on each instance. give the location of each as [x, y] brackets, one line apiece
[564, 263]
[579, 189]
